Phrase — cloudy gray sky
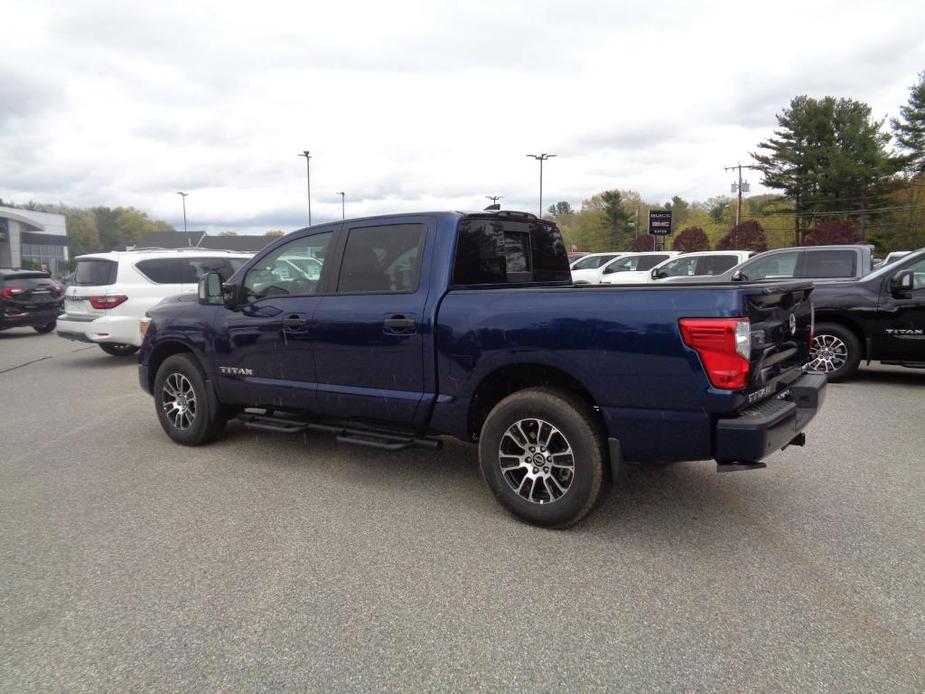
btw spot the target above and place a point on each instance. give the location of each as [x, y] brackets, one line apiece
[416, 105]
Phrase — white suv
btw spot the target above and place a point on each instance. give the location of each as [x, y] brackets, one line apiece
[105, 303]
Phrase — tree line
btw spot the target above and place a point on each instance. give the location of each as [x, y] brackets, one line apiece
[843, 177]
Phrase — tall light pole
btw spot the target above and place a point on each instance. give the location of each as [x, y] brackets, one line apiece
[342, 205]
[541, 158]
[183, 197]
[494, 199]
[308, 176]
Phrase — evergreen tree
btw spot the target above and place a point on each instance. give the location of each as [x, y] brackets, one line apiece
[909, 128]
[828, 155]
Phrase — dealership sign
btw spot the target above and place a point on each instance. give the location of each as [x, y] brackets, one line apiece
[660, 222]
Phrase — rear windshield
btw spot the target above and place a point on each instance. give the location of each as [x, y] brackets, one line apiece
[503, 251]
[95, 272]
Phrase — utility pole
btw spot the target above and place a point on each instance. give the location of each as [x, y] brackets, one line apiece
[637, 221]
[541, 158]
[183, 197]
[342, 207]
[738, 188]
[494, 199]
[308, 175]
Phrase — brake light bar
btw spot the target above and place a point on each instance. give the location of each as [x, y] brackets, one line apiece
[724, 345]
[109, 301]
[12, 292]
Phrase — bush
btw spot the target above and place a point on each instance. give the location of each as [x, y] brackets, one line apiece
[691, 239]
[745, 236]
[646, 242]
[830, 233]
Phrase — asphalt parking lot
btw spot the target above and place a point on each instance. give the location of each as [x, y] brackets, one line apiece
[268, 563]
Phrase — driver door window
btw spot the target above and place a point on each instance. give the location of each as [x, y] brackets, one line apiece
[291, 270]
[622, 265]
[776, 266]
[682, 267]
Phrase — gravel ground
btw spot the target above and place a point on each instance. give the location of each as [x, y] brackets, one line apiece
[268, 563]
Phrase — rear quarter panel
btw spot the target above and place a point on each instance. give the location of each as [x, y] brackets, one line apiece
[622, 344]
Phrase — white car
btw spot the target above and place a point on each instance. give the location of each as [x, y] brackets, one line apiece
[698, 264]
[585, 270]
[106, 301]
[633, 268]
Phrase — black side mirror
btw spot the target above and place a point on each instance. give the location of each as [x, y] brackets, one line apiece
[654, 274]
[902, 281]
[210, 289]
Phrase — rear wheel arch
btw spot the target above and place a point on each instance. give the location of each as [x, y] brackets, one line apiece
[848, 323]
[511, 378]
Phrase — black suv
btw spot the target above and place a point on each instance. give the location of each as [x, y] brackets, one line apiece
[29, 298]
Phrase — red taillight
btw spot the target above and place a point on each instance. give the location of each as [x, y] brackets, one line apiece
[11, 292]
[104, 302]
[724, 345]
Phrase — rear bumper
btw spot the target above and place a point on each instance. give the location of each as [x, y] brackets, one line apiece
[124, 330]
[14, 318]
[770, 425]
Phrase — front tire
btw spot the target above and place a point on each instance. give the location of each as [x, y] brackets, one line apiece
[835, 352]
[542, 454]
[118, 350]
[47, 328]
[182, 402]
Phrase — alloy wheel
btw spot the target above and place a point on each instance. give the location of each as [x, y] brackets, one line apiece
[536, 461]
[828, 354]
[179, 401]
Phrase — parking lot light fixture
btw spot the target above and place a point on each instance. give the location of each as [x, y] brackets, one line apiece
[541, 158]
[308, 175]
[183, 197]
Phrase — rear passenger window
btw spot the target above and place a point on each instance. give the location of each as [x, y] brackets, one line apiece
[829, 264]
[382, 259]
[647, 262]
[716, 264]
[161, 270]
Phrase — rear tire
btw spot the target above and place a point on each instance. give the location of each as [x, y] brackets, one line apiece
[47, 328]
[118, 350]
[542, 454]
[182, 402]
[835, 352]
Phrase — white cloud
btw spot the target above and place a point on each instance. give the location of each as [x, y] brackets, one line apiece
[413, 105]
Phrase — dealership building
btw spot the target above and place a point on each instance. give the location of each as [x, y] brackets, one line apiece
[27, 237]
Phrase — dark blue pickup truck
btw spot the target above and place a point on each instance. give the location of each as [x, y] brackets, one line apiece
[392, 331]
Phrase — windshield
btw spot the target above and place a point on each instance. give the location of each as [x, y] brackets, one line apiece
[593, 262]
[886, 269]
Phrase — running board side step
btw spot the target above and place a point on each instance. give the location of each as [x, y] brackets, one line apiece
[381, 440]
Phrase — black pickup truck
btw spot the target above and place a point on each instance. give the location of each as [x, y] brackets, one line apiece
[880, 317]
